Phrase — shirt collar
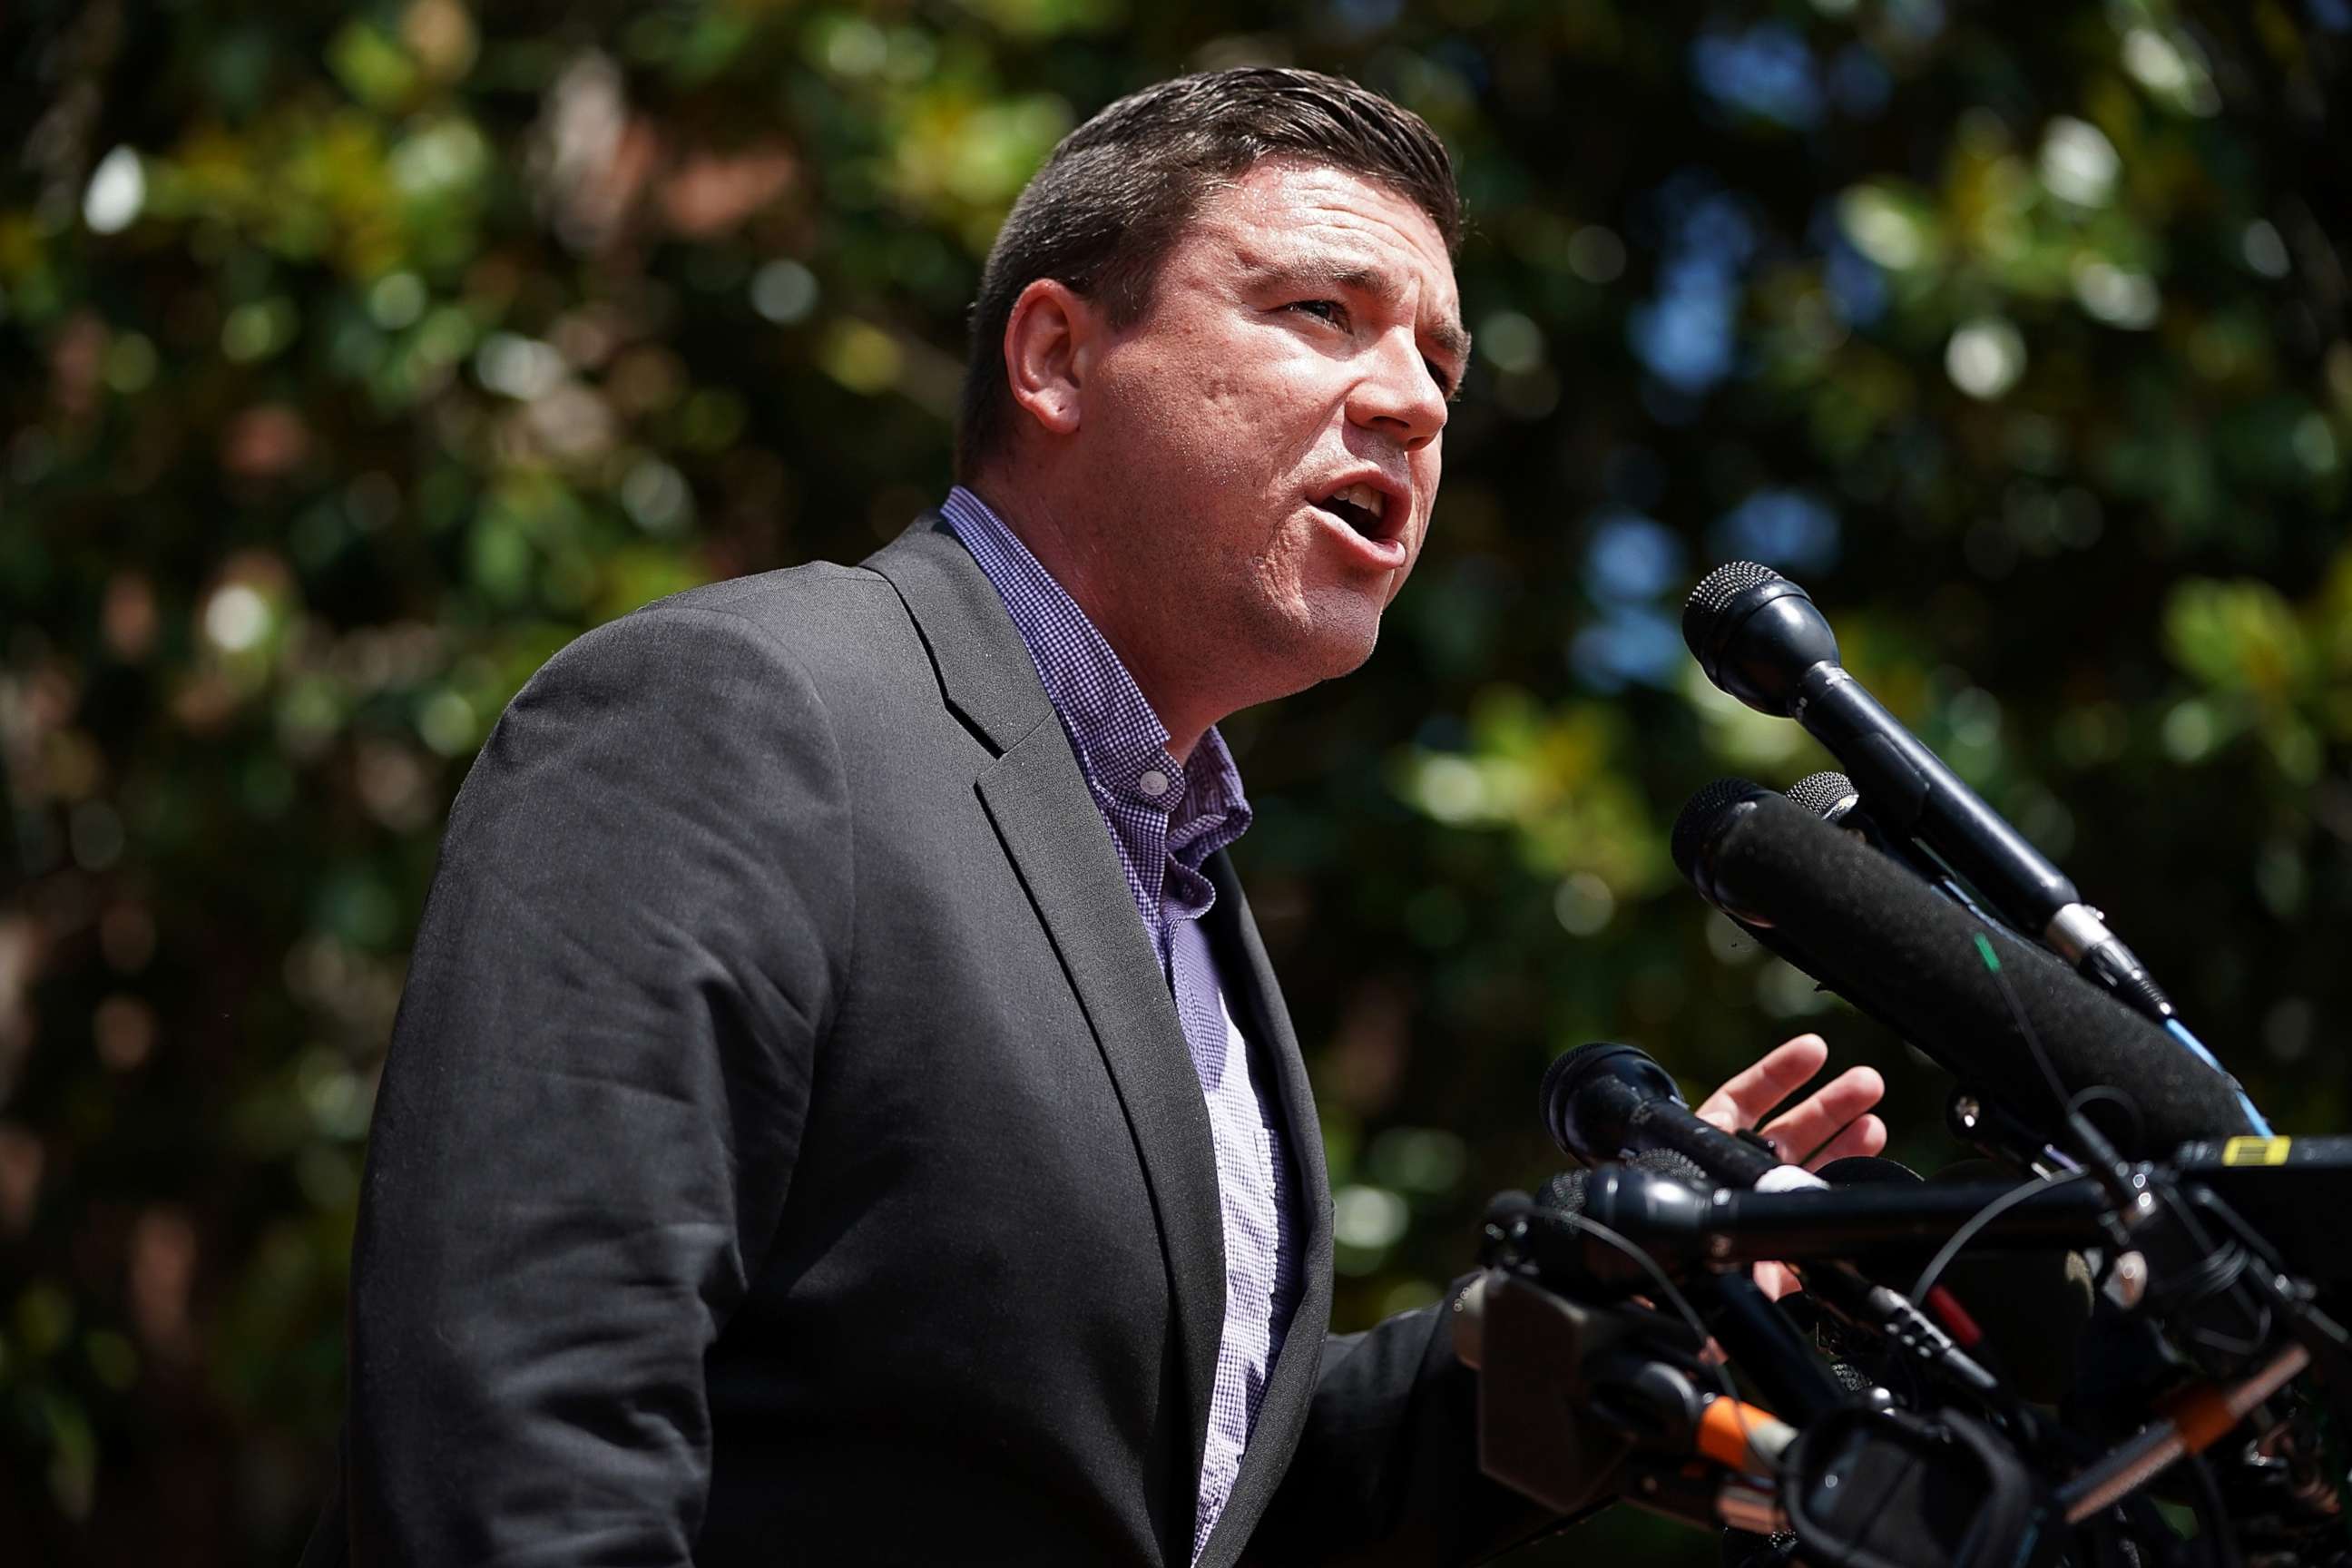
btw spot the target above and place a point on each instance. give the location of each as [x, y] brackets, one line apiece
[1121, 744]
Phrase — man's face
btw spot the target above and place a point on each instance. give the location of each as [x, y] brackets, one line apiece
[1267, 436]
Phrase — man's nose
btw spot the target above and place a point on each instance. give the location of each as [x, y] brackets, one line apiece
[1399, 396]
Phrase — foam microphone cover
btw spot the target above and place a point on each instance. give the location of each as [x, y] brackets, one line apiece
[1874, 932]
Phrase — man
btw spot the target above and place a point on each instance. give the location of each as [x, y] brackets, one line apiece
[841, 1111]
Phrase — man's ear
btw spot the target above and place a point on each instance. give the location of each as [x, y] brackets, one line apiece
[1049, 346]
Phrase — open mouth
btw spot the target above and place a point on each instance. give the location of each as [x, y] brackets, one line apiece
[1361, 508]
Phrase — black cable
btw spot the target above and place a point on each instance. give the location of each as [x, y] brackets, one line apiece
[2024, 1026]
[1681, 1303]
[2100, 1152]
[1666, 1286]
[1984, 1217]
[1674, 1296]
[1937, 1265]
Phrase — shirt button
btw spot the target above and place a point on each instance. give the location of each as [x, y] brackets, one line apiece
[1153, 782]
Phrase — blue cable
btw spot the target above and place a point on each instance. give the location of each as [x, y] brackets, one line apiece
[2179, 1031]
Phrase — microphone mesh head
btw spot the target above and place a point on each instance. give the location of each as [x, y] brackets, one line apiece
[1713, 595]
[1565, 1191]
[1822, 793]
[1697, 824]
[1666, 1162]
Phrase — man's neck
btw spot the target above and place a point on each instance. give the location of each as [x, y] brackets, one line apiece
[1073, 554]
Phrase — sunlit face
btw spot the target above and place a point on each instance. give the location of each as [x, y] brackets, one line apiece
[1267, 437]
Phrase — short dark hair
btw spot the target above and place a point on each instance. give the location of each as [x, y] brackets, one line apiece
[1109, 203]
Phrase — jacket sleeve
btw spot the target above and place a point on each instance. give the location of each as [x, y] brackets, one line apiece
[1386, 1473]
[587, 1121]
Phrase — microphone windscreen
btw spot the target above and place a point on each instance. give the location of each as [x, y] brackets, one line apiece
[1966, 992]
[1703, 818]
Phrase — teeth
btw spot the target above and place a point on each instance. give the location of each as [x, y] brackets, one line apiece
[1364, 496]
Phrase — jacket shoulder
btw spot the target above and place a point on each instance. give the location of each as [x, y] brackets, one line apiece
[799, 605]
[843, 630]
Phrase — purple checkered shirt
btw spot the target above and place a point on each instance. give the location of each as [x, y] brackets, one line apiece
[1166, 820]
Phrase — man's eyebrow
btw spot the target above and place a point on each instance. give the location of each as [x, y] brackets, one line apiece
[1451, 338]
[1454, 339]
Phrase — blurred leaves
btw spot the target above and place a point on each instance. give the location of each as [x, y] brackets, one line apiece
[358, 359]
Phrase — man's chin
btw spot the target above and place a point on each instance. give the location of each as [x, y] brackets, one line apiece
[1328, 635]
[1360, 653]
[1345, 642]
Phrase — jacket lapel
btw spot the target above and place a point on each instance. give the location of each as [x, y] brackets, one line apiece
[1248, 977]
[977, 653]
[1051, 829]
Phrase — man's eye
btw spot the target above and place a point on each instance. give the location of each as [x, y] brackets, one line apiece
[1437, 373]
[1330, 310]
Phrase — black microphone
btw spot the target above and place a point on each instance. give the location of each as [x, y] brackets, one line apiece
[1682, 1226]
[1567, 1189]
[1760, 638]
[1832, 797]
[1942, 979]
[1762, 1339]
[1670, 1219]
[1605, 1102]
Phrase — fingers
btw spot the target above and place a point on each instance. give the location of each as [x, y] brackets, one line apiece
[1826, 1113]
[1754, 1091]
[1776, 1280]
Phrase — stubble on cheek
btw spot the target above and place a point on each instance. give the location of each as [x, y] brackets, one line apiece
[1279, 569]
[1214, 427]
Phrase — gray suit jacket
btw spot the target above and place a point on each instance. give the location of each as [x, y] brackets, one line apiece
[788, 1150]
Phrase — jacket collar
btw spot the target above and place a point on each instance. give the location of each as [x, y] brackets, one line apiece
[976, 651]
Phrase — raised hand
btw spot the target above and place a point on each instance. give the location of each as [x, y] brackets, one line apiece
[1829, 1123]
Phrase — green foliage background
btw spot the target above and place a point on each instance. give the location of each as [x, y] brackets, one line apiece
[356, 358]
